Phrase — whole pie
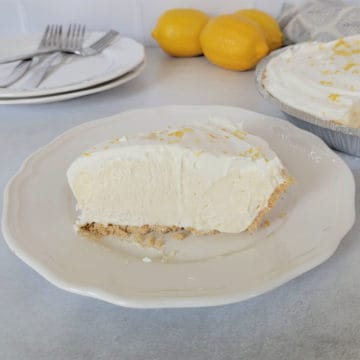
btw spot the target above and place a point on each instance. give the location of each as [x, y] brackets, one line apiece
[321, 79]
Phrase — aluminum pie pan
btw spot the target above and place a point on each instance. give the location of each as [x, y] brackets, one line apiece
[339, 137]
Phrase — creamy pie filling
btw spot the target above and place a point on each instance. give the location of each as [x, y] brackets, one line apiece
[201, 178]
[322, 79]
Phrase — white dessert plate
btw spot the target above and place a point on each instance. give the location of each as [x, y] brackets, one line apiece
[79, 93]
[123, 55]
[303, 230]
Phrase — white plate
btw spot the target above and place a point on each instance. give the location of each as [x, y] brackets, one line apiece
[77, 72]
[75, 94]
[315, 214]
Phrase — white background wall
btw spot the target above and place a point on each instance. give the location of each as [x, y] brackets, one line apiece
[134, 18]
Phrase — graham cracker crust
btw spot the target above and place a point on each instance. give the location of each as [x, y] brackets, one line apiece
[146, 234]
[124, 231]
[275, 196]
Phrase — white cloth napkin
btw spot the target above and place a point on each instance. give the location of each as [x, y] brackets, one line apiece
[322, 20]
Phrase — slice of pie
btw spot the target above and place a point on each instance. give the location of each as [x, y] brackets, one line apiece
[202, 178]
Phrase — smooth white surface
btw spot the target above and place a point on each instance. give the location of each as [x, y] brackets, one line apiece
[314, 316]
[315, 223]
[75, 72]
[75, 94]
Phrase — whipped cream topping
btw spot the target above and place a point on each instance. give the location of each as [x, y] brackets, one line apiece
[206, 176]
[322, 79]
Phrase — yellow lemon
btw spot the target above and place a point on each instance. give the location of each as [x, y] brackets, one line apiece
[233, 42]
[177, 31]
[273, 34]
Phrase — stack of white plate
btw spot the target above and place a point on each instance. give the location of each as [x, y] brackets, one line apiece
[119, 63]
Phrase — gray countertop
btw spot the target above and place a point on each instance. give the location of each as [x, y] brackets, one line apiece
[315, 316]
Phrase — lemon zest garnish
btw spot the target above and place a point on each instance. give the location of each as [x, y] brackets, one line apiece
[326, 83]
[87, 154]
[334, 97]
[114, 141]
[352, 88]
[253, 153]
[177, 133]
[188, 129]
[247, 152]
[199, 153]
[341, 42]
[266, 223]
[239, 134]
[342, 52]
[349, 65]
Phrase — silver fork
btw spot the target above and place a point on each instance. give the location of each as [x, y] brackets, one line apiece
[98, 46]
[73, 39]
[51, 32]
[91, 50]
[95, 48]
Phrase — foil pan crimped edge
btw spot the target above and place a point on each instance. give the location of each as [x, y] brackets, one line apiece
[343, 138]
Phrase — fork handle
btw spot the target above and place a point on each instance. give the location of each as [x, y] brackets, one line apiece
[28, 56]
[17, 73]
[43, 69]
